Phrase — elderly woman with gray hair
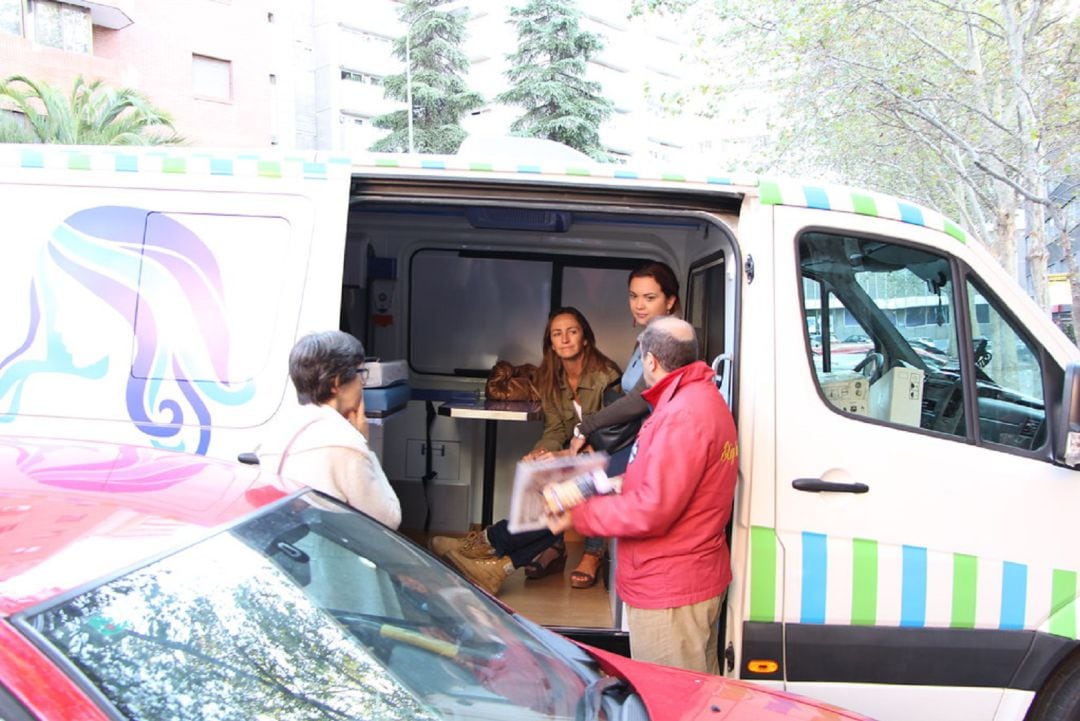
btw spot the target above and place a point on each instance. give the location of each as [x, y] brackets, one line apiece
[323, 444]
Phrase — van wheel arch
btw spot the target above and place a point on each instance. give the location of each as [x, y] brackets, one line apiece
[1059, 697]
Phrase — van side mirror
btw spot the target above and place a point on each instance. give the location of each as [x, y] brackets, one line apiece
[1067, 431]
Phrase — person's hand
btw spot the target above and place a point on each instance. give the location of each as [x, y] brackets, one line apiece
[539, 454]
[559, 522]
[359, 421]
[577, 443]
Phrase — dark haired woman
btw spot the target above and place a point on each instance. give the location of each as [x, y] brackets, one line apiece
[323, 444]
[653, 292]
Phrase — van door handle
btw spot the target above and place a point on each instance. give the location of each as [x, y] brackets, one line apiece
[816, 485]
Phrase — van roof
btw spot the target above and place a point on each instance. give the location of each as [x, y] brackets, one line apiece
[311, 165]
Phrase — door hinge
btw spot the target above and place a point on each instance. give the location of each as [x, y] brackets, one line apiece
[729, 657]
[749, 267]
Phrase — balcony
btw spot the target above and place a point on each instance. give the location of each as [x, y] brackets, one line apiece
[363, 99]
[114, 15]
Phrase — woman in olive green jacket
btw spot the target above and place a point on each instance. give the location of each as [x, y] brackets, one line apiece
[571, 379]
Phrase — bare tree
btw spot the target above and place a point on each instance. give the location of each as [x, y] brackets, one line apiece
[970, 106]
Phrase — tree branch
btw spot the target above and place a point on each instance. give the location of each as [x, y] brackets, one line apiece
[934, 47]
[975, 154]
[951, 7]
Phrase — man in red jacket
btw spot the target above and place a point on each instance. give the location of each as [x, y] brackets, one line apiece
[673, 563]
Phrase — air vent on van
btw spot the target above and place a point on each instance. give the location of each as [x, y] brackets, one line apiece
[549, 221]
[1030, 427]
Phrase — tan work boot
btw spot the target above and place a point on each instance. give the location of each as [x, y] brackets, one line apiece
[472, 545]
[487, 573]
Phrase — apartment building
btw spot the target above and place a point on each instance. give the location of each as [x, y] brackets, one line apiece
[215, 65]
[308, 73]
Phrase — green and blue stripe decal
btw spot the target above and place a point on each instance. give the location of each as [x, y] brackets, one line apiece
[192, 164]
[814, 577]
[770, 192]
[907, 584]
[904, 615]
[913, 587]
[861, 202]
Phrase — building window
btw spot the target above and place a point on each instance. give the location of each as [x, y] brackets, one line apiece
[11, 17]
[211, 77]
[62, 26]
[359, 77]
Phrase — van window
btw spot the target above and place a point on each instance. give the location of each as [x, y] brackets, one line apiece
[468, 311]
[1008, 376]
[601, 294]
[880, 333]
[218, 308]
[705, 307]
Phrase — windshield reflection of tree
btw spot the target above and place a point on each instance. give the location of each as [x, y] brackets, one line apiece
[444, 638]
[217, 632]
[306, 612]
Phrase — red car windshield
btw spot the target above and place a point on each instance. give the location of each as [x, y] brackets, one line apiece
[306, 611]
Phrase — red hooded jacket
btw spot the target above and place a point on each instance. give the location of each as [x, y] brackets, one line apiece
[676, 497]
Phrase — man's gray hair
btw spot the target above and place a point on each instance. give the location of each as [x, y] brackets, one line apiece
[672, 342]
[319, 360]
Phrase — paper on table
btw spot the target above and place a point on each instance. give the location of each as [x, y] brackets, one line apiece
[527, 507]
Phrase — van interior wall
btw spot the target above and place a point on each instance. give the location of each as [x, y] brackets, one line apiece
[423, 283]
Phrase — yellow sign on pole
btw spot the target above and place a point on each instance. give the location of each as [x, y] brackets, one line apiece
[1060, 292]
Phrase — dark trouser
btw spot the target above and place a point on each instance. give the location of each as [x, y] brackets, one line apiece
[617, 463]
[524, 547]
[521, 547]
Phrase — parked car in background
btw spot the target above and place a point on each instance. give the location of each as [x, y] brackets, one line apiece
[143, 584]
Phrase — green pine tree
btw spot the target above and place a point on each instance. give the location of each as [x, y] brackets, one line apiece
[439, 94]
[547, 77]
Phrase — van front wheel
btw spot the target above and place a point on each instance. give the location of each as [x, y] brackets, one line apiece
[1059, 698]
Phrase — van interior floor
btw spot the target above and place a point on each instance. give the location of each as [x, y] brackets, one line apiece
[551, 601]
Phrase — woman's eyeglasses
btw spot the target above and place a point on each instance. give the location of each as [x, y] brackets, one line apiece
[363, 373]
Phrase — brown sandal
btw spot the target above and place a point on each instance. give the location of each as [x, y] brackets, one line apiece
[550, 560]
[584, 576]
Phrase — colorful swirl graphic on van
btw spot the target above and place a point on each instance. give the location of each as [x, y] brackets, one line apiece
[154, 274]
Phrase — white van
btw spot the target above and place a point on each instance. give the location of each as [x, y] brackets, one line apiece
[902, 542]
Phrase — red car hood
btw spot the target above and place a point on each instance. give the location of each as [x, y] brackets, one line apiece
[71, 512]
[672, 694]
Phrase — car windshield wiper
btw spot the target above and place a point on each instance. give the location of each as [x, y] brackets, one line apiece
[373, 628]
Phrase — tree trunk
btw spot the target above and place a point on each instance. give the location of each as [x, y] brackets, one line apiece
[1061, 227]
[1004, 246]
[1035, 232]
